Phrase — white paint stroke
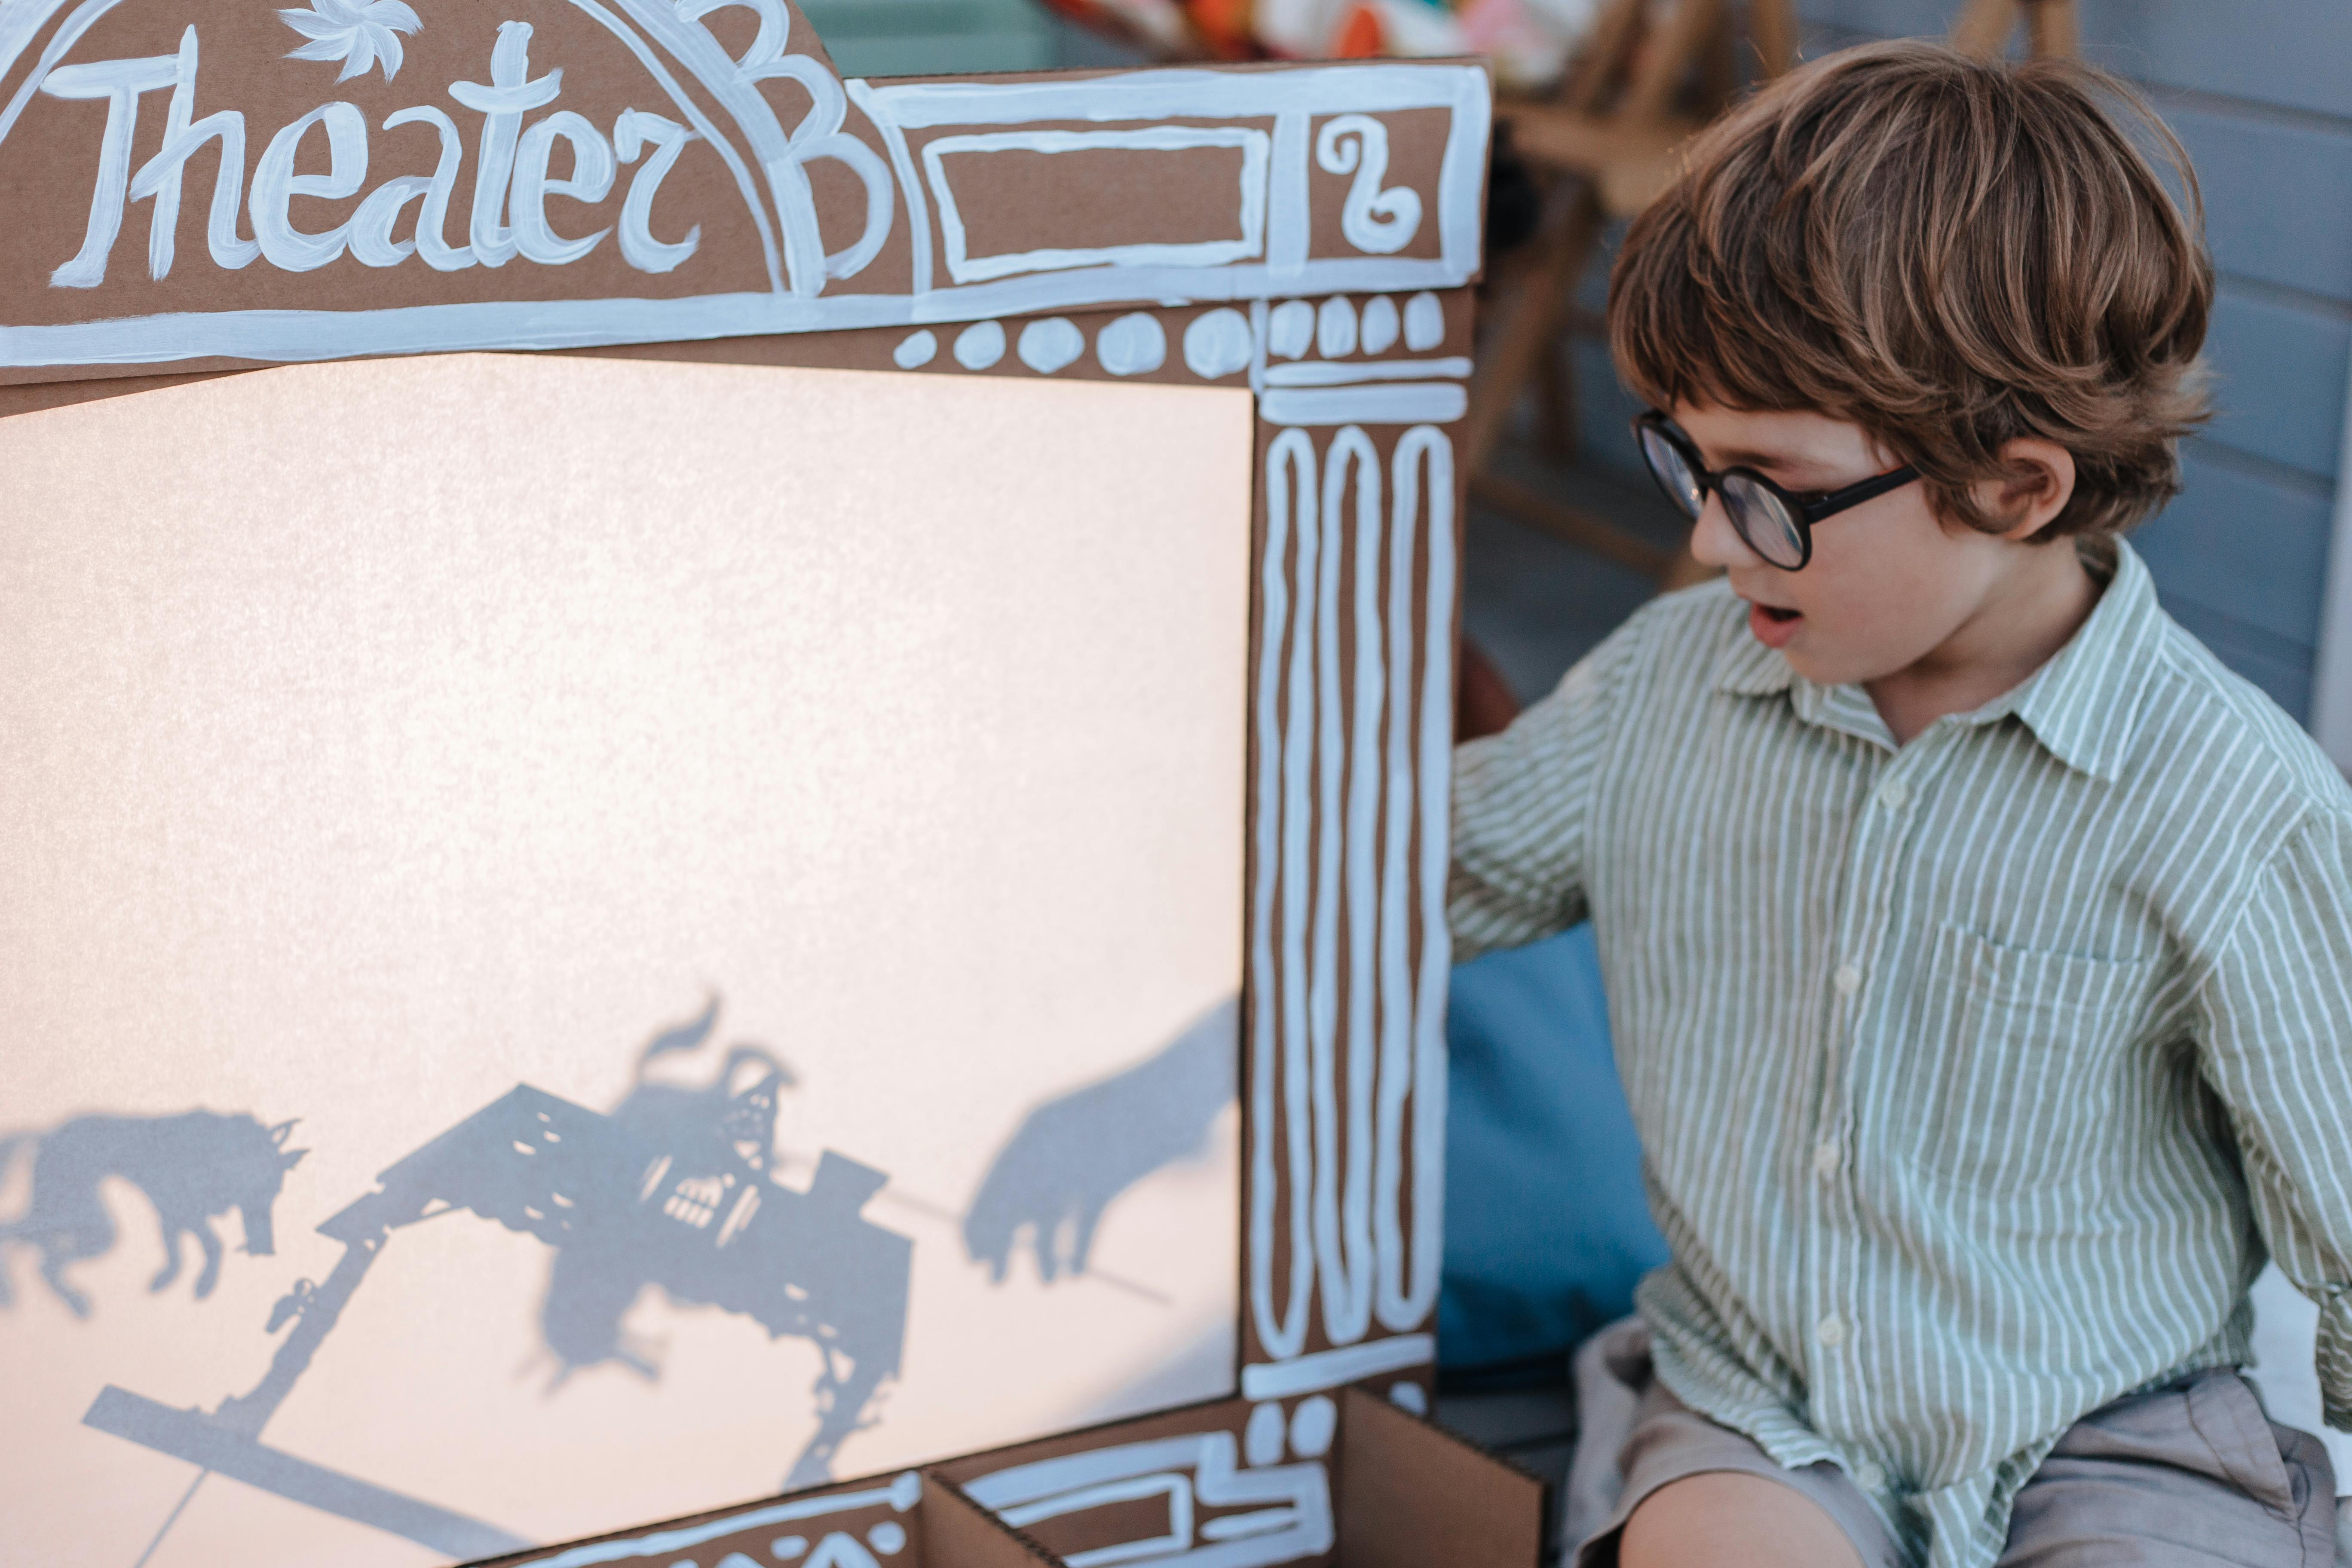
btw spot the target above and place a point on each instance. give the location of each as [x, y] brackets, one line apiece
[1409, 402]
[1287, 217]
[1379, 222]
[901, 1494]
[1293, 331]
[1396, 974]
[1134, 344]
[1051, 344]
[1173, 1485]
[1290, 501]
[1257, 321]
[919, 216]
[291, 337]
[771, 247]
[980, 346]
[1372, 691]
[1218, 1481]
[160, 178]
[1184, 93]
[1379, 324]
[1337, 1368]
[119, 84]
[632, 132]
[1262, 1439]
[1424, 323]
[1216, 344]
[19, 21]
[1314, 1425]
[1322, 372]
[1249, 214]
[1335, 328]
[1406, 1302]
[916, 350]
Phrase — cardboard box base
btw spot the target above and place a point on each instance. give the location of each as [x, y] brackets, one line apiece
[1195, 1486]
[1215, 1487]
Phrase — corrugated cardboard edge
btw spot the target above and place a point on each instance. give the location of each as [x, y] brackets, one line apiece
[959, 1534]
[1412, 1493]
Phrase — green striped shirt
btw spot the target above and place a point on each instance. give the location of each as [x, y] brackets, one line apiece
[1975, 1077]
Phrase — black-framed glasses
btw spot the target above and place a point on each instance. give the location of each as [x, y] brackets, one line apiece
[1776, 523]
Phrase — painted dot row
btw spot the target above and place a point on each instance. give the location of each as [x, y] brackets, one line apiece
[1216, 344]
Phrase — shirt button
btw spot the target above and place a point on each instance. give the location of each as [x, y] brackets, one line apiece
[1848, 979]
[1831, 1331]
[1871, 1477]
[1896, 794]
[1825, 1160]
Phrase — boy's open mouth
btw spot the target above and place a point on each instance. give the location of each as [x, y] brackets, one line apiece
[1773, 626]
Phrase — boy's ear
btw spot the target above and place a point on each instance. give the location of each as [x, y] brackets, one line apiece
[2039, 483]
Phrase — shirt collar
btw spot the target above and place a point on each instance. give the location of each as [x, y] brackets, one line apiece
[2083, 705]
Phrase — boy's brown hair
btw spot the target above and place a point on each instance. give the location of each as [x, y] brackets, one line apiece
[1948, 252]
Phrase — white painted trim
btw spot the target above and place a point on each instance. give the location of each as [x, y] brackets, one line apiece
[900, 1494]
[1407, 403]
[919, 217]
[2331, 694]
[1350, 373]
[296, 336]
[1249, 211]
[1320, 1370]
[1179, 94]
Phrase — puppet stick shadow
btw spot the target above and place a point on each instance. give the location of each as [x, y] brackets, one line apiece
[1073, 1155]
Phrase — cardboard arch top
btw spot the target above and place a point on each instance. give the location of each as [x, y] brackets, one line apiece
[206, 190]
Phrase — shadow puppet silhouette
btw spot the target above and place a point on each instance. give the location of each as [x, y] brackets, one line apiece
[1072, 1155]
[672, 1189]
[194, 1167]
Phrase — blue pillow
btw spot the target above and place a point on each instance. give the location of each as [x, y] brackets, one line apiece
[1547, 1228]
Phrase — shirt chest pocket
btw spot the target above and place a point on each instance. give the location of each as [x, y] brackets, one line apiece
[2020, 1061]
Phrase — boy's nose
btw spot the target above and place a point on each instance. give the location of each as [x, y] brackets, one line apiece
[1715, 542]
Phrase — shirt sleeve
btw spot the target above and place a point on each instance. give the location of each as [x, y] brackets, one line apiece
[1521, 801]
[2278, 1013]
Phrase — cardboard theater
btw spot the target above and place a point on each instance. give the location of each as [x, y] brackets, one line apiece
[722, 785]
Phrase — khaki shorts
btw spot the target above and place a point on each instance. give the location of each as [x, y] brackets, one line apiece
[2193, 1475]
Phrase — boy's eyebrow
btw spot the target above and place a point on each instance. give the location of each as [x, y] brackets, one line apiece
[1747, 457]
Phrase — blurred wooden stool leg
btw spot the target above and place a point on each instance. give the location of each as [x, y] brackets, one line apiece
[1772, 29]
[1523, 326]
[2052, 30]
[1983, 27]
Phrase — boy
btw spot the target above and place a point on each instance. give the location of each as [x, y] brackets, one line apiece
[1979, 950]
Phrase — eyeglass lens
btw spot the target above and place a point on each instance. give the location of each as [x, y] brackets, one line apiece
[1764, 521]
[1673, 472]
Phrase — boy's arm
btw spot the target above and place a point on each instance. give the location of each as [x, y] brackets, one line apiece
[2278, 1014]
[1520, 801]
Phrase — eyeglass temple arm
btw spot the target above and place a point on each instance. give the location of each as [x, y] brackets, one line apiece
[1819, 507]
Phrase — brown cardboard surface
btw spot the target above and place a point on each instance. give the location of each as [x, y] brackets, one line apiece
[959, 1534]
[1412, 1494]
